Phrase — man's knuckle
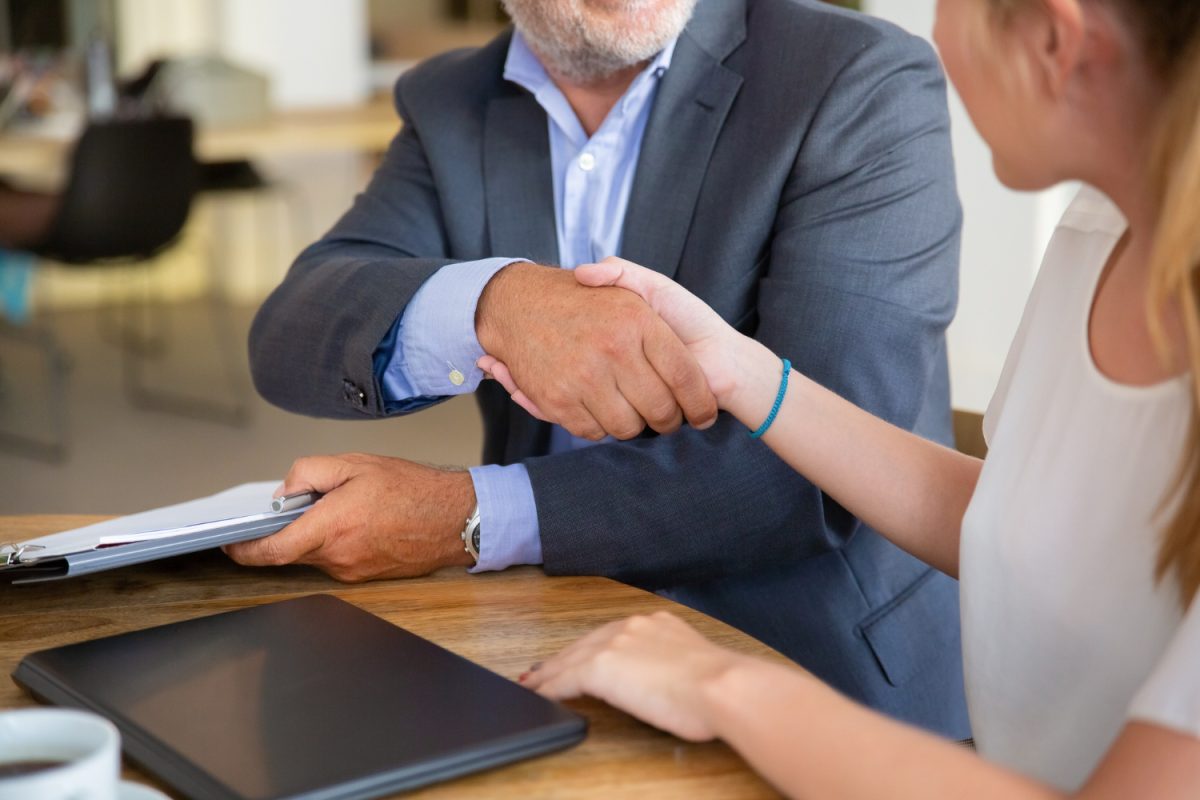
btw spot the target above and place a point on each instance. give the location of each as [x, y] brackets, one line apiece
[589, 380]
[668, 427]
[335, 559]
[627, 430]
[554, 403]
[611, 345]
[681, 373]
[300, 466]
[576, 428]
[664, 412]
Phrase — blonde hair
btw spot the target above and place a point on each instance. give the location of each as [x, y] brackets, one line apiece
[1169, 31]
[1175, 278]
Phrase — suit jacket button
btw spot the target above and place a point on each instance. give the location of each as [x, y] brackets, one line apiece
[354, 394]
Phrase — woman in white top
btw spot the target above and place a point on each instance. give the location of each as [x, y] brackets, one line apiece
[1078, 540]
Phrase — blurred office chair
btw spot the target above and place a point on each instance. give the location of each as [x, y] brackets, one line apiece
[219, 93]
[128, 196]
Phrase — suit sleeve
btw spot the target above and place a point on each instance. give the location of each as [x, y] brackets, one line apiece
[860, 286]
[312, 342]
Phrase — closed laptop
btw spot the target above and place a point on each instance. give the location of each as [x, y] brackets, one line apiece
[308, 698]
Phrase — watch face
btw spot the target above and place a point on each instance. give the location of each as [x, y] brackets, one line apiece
[475, 538]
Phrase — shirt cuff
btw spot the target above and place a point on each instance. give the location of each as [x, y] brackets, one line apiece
[508, 523]
[432, 349]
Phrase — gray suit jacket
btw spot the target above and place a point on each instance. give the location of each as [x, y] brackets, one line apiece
[795, 174]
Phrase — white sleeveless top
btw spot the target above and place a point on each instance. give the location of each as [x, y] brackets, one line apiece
[1066, 634]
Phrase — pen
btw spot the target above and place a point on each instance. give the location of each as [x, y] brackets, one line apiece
[290, 502]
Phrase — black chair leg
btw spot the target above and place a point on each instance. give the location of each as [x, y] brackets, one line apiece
[51, 447]
[141, 343]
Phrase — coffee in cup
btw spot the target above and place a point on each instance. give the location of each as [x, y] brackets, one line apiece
[58, 754]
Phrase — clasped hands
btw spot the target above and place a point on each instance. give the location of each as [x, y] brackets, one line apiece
[618, 347]
[598, 360]
[604, 350]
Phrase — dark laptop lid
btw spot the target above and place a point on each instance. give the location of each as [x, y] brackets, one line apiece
[308, 698]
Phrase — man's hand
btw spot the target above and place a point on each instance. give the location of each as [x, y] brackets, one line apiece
[379, 518]
[597, 361]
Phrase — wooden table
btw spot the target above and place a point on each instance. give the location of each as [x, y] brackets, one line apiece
[503, 620]
[367, 128]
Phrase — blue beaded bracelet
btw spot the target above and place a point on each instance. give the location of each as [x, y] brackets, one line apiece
[787, 369]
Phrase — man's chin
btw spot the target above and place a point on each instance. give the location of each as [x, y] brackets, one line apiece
[591, 76]
[587, 42]
[615, 7]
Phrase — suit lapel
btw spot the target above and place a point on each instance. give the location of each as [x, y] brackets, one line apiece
[518, 182]
[689, 112]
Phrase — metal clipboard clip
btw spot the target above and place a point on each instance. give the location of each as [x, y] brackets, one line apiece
[14, 554]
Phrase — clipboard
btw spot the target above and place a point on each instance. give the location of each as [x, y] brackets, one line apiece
[235, 515]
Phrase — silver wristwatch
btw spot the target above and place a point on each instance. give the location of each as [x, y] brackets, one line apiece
[470, 534]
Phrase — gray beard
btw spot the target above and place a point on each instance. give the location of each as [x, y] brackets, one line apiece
[581, 49]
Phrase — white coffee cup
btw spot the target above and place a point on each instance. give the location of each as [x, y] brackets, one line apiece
[85, 747]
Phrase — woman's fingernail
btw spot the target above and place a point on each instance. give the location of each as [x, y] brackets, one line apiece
[524, 676]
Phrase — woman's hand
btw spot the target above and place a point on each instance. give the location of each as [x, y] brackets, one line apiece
[656, 668]
[599, 361]
[711, 341]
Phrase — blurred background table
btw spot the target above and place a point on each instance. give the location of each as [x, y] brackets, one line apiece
[502, 620]
[40, 156]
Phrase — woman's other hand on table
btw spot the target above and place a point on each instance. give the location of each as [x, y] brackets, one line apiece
[657, 668]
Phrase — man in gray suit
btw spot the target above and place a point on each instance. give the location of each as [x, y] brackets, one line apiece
[787, 162]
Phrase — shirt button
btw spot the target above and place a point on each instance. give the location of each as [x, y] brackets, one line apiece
[457, 378]
[587, 162]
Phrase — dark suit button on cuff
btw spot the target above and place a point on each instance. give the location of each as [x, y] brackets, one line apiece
[354, 394]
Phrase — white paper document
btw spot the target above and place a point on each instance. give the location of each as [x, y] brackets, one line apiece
[249, 502]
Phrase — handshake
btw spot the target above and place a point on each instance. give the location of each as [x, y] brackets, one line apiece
[605, 350]
[615, 347]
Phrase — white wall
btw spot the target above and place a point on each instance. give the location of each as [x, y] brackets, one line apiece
[147, 29]
[1004, 235]
[313, 51]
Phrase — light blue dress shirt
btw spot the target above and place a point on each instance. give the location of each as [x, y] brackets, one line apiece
[431, 351]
